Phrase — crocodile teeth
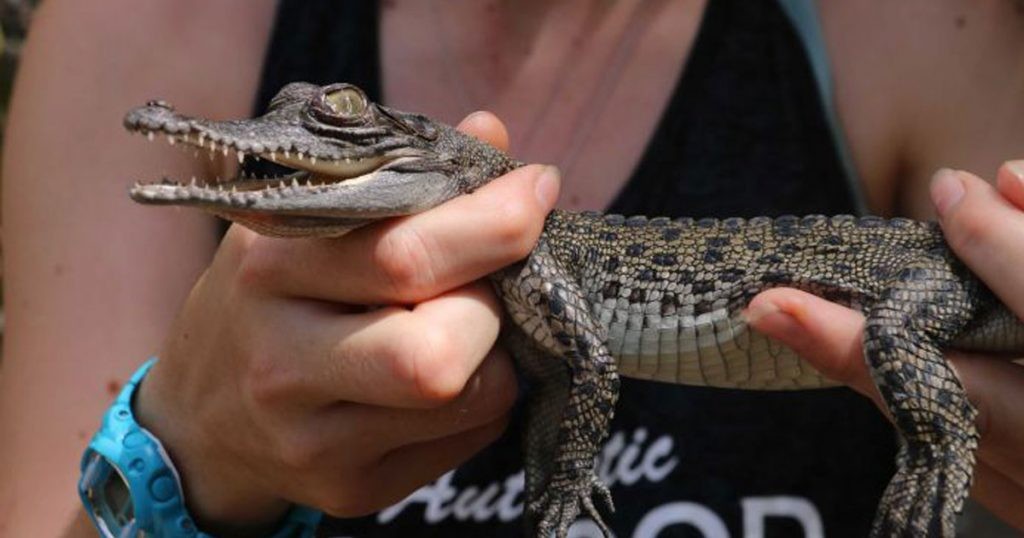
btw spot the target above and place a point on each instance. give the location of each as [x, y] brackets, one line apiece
[150, 136]
[241, 157]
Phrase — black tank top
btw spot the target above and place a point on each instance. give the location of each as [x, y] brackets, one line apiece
[744, 134]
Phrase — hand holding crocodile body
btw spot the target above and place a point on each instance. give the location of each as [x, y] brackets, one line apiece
[983, 225]
[295, 392]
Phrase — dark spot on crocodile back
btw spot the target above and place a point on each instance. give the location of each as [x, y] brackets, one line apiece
[664, 259]
[789, 249]
[703, 286]
[614, 220]
[703, 307]
[880, 272]
[717, 241]
[668, 304]
[671, 234]
[733, 224]
[777, 277]
[635, 249]
[610, 290]
[712, 255]
[732, 274]
[611, 265]
[870, 221]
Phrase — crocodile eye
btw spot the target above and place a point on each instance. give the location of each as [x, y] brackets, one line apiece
[346, 102]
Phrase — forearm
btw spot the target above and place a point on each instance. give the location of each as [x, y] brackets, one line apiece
[91, 282]
[80, 526]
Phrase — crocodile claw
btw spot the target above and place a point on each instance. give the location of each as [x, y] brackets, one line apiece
[560, 506]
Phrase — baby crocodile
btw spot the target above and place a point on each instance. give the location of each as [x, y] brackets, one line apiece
[603, 295]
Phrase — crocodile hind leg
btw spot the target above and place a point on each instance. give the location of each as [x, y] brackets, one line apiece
[569, 412]
[903, 341]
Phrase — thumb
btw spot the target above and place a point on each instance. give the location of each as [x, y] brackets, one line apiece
[486, 127]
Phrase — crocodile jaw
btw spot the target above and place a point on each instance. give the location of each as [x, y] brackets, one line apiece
[333, 190]
[305, 206]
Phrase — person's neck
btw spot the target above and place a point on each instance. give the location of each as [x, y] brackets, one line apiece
[494, 38]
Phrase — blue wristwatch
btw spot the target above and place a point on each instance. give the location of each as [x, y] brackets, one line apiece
[130, 488]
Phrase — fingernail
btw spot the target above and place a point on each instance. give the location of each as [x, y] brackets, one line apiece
[546, 187]
[474, 116]
[947, 190]
[759, 311]
[1017, 169]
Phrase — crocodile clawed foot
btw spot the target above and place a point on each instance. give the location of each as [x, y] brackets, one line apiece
[559, 507]
[925, 500]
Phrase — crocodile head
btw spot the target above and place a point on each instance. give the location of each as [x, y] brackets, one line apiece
[350, 162]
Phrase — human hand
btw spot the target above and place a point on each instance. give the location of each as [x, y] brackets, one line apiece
[277, 385]
[985, 227]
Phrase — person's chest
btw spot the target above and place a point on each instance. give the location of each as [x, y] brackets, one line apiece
[582, 88]
[925, 84]
[583, 85]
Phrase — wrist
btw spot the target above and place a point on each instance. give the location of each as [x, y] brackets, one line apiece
[225, 500]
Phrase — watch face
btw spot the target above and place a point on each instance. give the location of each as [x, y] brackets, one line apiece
[109, 499]
[119, 500]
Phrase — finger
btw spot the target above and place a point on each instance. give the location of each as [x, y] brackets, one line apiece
[394, 450]
[985, 230]
[414, 258]
[827, 335]
[391, 478]
[393, 357]
[415, 465]
[486, 127]
[348, 436]
[994, 387]
[1002, 496]
[488, 396]
[1010, 182]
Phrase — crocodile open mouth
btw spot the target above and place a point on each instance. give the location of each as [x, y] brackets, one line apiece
[335, 162]
[308, 171]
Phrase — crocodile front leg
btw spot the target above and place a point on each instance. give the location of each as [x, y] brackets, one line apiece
[569, 411]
